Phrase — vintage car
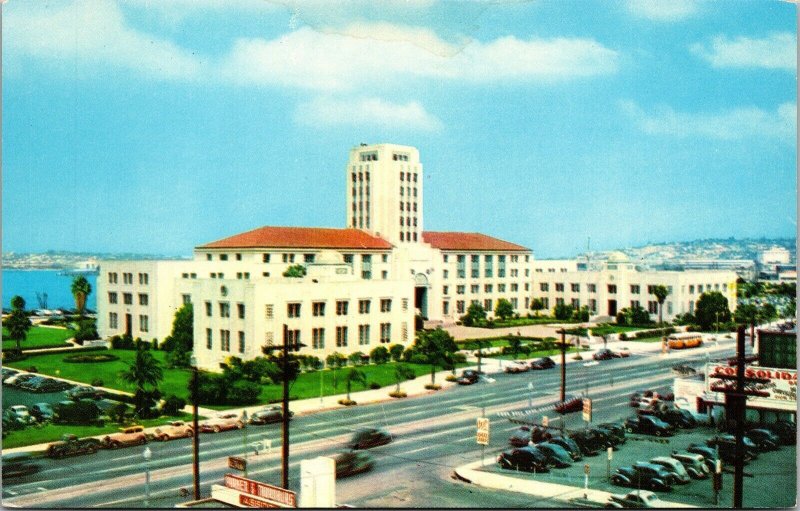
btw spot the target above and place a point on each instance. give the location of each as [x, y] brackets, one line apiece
[468, 377]
[222, 422]
[693, 463]
[542, 363]
[635, 500]
[517, 367]
[268, 415]
[176, 429]
[369, 437]
[71, 445]
[352, 463]
[643, 475]
[131, 435]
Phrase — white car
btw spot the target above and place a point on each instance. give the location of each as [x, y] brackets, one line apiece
[675, 467]
[222, 422]
[21, 413]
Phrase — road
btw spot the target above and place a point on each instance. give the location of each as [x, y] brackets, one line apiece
[432, 435]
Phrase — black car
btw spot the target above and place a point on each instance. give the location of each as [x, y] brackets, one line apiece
[521, 437]
[785, 430]
[369, 437]
[351, 463]
[615, 431]
[606, 354]
[468, 377]
[727, 446]
[673, 416]
[648, 425]
[268, 415]
[604, 437]
[643, 475]
[556, 455]
[588, 443]
[528, 459]
[764, 439]
[543, 363]
[568, 445]
[709, 455]
[42, 412]
[83, 392]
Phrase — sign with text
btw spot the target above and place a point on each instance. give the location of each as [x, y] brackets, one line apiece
[781, 385]
[237, 463]
[273, 494]
[483, 431]
[248, 501]
[587, 409]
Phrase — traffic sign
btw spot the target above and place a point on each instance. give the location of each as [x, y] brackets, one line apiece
[263, 491]
[610, 453]
[587, 409]
[545, 421]
[237, 463]
[482, 436]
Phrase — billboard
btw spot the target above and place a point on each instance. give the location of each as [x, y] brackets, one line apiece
[781, 385]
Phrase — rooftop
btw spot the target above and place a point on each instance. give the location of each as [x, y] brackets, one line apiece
[302, 237]
[469, 241]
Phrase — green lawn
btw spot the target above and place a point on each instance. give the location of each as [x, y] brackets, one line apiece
[545, 320]
[40, 337]
[498, 342]
[644, 339]
[605, 329]
[532, 355]
[33, 435]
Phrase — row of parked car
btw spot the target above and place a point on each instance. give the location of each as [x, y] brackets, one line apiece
[33, 382]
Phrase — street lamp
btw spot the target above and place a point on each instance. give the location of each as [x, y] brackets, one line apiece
[195, 429]
[147, 454]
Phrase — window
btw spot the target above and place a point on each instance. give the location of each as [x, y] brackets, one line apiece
[700, 288]
[593, 305]
[288, 258]
[341, 336]
[635, 289]
[546, 302]
[669, 308]
[318, 309]
[293, 310]
[592, 288]
[488, 270]
[445, 258]
[363, 306]
[112, 297]
[240, 310]
[241, 339]
[224, 309]
[386, 305]
[652, 306]
[612, 288]
[501, 266]
[223, 257]
[501, 288]
[559, 301]
[487, 288]
[474, 289]
[515, 273]
[445, 290]
[445, 274]
[112, 278]
[292, 337]
[208, 257]
[112, 320]
[264, 258]
[268, 311]
[225, 339]
[559, 287]
[186, 299]
[527, 286]
[209, 339]
[386, 332]
[208, 309]
[127, 278]
[385, 258]
[308, 258]
[384, 275]
[691, 289]
[143, 299]
[445, 308]
[366, 266]
[461, 271]
[487, 304]
[341, 307]
[348, 258]
[318, 338]
[127, 298]
[460, 289]
[544, 286]
[576, 303]
[514, 287]
[144, 279]
[363, 335]
[144, 323]
[460, 307]
[514, 303]
[405, 304]
[475, 273]
[634, 304]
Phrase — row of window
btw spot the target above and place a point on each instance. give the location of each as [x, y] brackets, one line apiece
[224, 339]
[127, 298]
[318, 308]
[224, 309]
[127, 278]
[461, 305]
[408, 206]
[342, 336]
[487, 288]
[488, 258]
[265, 257]
[634, 288]
[144, 322]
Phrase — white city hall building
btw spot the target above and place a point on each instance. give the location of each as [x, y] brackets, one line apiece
[363, 284]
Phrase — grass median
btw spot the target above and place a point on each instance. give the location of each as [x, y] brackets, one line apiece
[40, 337]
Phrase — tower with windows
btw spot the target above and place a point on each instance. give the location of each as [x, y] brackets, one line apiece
[384, 192]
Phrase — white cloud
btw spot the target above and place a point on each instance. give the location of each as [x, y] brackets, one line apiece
[734, 124]
[664, 10]
[309, 59]
[366, 112]
[89, 33]
[776, 51]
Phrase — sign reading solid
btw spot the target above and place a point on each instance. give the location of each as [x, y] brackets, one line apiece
[237, 463]
[248, 501]
[781, 385]
[482, 436]
[273, 494]
[587, 409]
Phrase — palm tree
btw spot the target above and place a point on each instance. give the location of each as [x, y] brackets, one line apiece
[661, 292]
[514, 343]
[18, 322]
[354, 375]
[748, 314]
[401, 373]
[81, 289]
[144, 373]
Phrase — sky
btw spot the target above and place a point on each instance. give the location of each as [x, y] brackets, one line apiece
[153, 127]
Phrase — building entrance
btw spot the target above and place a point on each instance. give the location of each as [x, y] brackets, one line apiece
[128, 325]
[612, 308]
[421, 294]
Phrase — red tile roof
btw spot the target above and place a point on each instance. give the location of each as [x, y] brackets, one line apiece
[302, 237]
[469, 241]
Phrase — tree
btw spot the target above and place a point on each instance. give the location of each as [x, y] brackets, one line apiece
[537, 304]
[356, 358]
[379, 355]
[660, 292]
[354, 375]
[635, 315]
[710, 308]
[81, 289]
[790, 311]
[396, 351]
[504, 309]
[335, 361]
[436, 346]
[479, 344]
[144, 374]
[581, 314]
[563, 311]
[401, 373]
[295, 271]
[17, 323]
[275, 371]
[514, 343]
[182, 334]
[475, 314]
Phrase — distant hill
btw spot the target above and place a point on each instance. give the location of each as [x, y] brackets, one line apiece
[62, 260]
[716, 248]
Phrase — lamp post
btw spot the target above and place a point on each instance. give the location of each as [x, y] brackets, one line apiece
[147, 454]
[195, 429]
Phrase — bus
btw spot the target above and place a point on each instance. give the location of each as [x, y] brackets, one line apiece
[684, 340]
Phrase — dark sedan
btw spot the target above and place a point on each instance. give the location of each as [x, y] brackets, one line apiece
[556, 455]
[369, 437]
[468, 377]
[268, 415]
[606, 354]
[765, 439]
[643, 475]
[648, 425]
[528, 459]
[568, 445]
[520, 437]
[542, 363]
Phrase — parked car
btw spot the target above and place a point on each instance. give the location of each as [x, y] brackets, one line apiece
[606, 354]
[589, 444]
[269, 415]
[673, 466]
[42, 411]
[539, 434]
[615, 432]
[542, 363]
[555, 454]
[83, 392]
[175, 429]
[369, 437]
[21, 413]
[71, 445]
[19, 378]
[222, 422]
[351, 463]
[764, 439]
[516, 367]
[636, 500]
[709, 455]
[571, 404]
[520, 437]
[643, 475]
[727, 445]
[17, 465]
[468, 377]
[673, 416]
[6, 373]
[648, 425]
[786, 431]
[528, 459]
[131, 435]
[30, 383]
[568, 445]
[693, 463]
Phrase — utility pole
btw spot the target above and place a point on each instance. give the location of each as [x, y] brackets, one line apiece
[195, 430]
[563, 374]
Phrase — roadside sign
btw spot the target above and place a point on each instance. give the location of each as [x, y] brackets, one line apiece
[587, 409]
[586, 469]
[237, 463]
[248, 501]
[482, 436]
[610, 454]
[262, 491]
[545, 421]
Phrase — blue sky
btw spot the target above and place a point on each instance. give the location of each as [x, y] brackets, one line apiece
[153, 127]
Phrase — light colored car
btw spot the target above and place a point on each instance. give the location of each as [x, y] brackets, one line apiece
[517, 367]
[222, 422]
[636, 499]
[21, 413]
[693, 463]
[176, 429]
[675, 467]
[132, 435]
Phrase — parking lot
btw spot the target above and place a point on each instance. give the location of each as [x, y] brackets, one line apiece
[771, 470]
